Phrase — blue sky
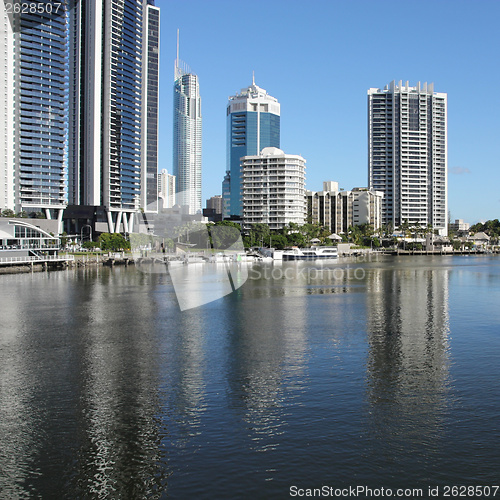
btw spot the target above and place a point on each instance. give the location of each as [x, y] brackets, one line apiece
[319, 57]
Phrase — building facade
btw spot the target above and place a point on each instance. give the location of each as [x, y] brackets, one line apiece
[407, 149]
[150, 98]
[33, 112]
[253, 123]
[166, 189]
[187, 137]
[338, 209]
[226, 195]
[6, 112]
[215, 203]
[114, 107]
[273, 188]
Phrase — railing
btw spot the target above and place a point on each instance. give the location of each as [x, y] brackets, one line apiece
[37, 259]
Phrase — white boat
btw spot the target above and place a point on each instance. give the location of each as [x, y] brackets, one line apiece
[313, 253]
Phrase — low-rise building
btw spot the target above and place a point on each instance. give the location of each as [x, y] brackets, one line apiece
[338, 209]
[459, 226]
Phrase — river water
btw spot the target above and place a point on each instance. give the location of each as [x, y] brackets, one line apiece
[382, 373]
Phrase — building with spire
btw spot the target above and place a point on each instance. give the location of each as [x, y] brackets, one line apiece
[187, 136]
[253, 123]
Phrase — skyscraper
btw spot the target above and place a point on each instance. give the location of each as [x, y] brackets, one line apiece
[114, 107]
[407, 149]
[6, 112]
[187, 136]
[253, 123]
[33, 122]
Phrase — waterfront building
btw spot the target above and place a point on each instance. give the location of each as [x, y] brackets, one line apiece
[407, 153]
[338, 209]
[6, 112]
[459, 226]
[187, 136]
[273, 188]
[166, 189]
[114, 108]
[33, 121]
[253, 123]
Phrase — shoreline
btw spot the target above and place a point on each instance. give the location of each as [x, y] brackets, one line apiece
[110, 262]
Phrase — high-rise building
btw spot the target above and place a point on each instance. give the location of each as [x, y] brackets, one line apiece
[6, 112]
[33, 121]
[253, 123]
[114, 107]
[407, 148]
[151, 75]
[273, 188]
[187, 137]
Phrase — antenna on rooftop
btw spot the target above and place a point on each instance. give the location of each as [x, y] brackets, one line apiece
[253, 77]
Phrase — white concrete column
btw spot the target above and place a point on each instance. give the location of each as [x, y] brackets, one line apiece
[131, 222]
[125, 222]
[118, 221]
[59, 220]
[110, 222]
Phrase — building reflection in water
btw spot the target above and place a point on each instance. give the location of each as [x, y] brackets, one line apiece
[120, 424]
[268, 354]
[408, 361]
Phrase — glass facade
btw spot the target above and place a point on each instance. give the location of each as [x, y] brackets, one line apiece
[124, 108]
[151, 107]
[40, 110]
[253, 123]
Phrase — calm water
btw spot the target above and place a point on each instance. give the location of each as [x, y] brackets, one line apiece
[388, 377]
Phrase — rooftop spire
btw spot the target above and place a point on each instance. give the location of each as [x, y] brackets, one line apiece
[253, 78]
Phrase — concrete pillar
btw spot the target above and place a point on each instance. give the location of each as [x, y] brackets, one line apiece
[110, 222]
[131, 222]
[59, 220]
[125, 222]
[118, 221]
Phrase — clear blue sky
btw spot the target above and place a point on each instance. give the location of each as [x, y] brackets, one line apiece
[319, 57]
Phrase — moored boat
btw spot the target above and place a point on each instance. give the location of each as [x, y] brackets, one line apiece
[313, 253]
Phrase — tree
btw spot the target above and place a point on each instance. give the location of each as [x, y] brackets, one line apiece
[7, 212]
[113, 242]
[259, 234]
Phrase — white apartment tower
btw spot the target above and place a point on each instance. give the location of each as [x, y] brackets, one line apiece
[273, 188]
[33, 111]
[407, 153]
[6, 112]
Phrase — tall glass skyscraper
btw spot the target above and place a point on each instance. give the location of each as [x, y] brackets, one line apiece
[33, 120]
[407, 144]
[114, 107]
[253, 123]
[187, 137]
